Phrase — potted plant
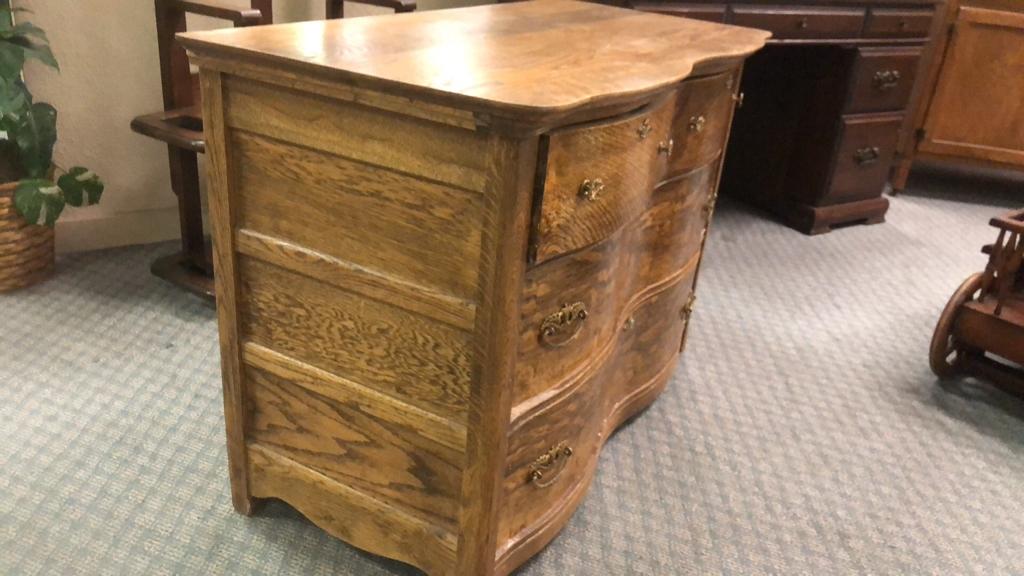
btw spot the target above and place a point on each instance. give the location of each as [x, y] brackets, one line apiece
[33, 192]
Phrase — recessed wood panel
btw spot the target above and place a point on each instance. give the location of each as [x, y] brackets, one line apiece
[420, 147]
[344, 438]
[420, 231]
[422, 362]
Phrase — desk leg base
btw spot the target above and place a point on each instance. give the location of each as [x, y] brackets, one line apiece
[177, 270]
[823, 219]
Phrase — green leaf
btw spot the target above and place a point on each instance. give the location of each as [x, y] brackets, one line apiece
[81, 186]
[39, 201]
[36, 133]
[12, 60]
[14, 97]
[38, 50]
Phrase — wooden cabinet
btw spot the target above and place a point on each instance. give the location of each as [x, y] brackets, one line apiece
[454, 251]
[973, 104]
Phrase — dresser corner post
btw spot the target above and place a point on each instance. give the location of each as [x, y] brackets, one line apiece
[222, 220]
[511, 167]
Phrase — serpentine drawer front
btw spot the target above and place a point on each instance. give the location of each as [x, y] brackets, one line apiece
[442, 282]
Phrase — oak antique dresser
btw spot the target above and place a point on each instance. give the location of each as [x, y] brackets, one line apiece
[828, 102]
[454, 251]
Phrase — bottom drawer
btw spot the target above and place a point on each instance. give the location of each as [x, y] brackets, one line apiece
[860, 167]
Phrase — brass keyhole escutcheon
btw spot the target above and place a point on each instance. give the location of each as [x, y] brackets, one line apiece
[546, 469]
[666, 147]
[559, 328]
[628, 324]
[591, 189]
[802, 23]
[697, 123]
[644, 129]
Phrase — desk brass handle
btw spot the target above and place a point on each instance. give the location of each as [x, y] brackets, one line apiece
[546, 469]
[697, 123]
[802, 23]
[591, 189]
[559, 328]
[885, 80]
[644, 129]
[867, 156]
[738, 99]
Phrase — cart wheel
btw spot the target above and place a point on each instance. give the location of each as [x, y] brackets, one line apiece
[945, 350]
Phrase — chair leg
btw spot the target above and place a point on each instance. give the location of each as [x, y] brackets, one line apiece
[185, 183]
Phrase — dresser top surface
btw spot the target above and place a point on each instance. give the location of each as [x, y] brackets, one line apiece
[540, 55]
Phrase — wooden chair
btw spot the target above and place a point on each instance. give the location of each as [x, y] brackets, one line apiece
[180, 126]
[981, 331]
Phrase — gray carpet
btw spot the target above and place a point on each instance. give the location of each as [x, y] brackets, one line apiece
[803, 432]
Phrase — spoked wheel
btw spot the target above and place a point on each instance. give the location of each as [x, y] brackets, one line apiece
[946, 351]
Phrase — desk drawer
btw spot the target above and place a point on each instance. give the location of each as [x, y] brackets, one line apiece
[882, 79]
[704, 110]
[599, 176]
[893, 23]
[708, 12]
[802, 22]
[861, 166]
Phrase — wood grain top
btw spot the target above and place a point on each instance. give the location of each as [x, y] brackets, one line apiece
[539, 56]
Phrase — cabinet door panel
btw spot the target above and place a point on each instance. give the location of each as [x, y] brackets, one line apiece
[977, 111]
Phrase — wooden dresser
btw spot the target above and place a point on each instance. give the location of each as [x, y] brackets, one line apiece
[454, 251]
[826, 102]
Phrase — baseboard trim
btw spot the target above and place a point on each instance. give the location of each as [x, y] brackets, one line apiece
[125, 229]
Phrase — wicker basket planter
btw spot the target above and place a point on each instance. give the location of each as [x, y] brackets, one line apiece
[26, 250]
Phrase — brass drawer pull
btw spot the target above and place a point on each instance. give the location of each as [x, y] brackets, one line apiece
[591, 189]
[559, 328]
[628, 324]
[885, 80]
[697, 123]
[802, 23]
[644, 129]
[666, 147]
[546, 469]
[687, 310]
[867, 156]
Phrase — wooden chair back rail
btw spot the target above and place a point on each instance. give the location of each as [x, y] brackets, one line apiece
[1003, 274]
[175, 74]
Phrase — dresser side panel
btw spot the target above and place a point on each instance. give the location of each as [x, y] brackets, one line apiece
[353, 295]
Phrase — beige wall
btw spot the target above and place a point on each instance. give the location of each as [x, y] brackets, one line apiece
[109, 74]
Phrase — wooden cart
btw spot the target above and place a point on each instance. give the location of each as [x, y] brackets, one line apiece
[981, 331]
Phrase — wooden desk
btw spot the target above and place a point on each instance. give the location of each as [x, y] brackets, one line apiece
[825, 103]
[454, 251]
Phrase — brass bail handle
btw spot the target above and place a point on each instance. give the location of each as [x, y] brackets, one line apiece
[559, 328]
[546, 469]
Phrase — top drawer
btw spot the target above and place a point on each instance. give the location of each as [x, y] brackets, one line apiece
[801, 22]
[600, 176]
[893, 23]
[708, 12]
